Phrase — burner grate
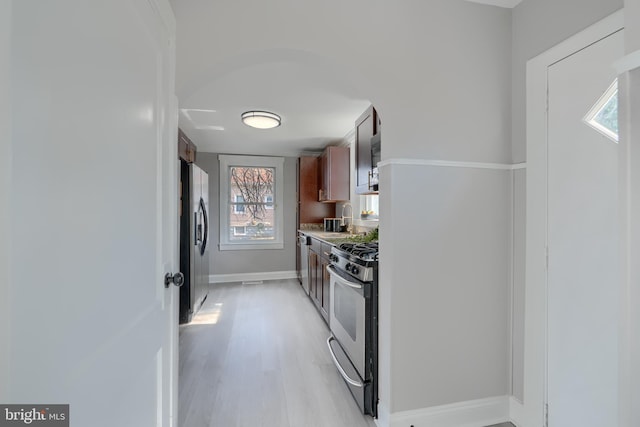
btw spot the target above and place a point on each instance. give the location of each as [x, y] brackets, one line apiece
[366, 251]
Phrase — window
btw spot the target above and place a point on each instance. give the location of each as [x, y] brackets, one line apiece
[238, 207]
[369, 207]
[251, 202]
[365, 208]
[603, 116]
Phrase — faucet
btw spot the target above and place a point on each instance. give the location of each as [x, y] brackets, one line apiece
[350, 226]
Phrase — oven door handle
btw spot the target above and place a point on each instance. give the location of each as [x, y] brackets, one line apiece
[340, 279]
[346, 377]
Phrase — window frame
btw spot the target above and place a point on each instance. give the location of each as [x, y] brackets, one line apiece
[590, 118]
[228, 161]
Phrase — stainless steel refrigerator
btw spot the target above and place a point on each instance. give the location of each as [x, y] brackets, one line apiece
[194, 239]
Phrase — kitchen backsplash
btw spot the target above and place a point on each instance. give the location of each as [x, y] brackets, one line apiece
[311, 227]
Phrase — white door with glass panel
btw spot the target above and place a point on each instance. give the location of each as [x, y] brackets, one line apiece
[583, 271]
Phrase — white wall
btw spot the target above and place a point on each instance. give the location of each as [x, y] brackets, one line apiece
[632, 14]
[251, 261]
[449, 313]
[5, 192]
[439, 74]
[518, 280]
[424, 64]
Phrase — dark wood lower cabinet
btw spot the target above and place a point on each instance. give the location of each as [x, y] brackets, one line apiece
[313, 261]
[319, 285]
[325, 289]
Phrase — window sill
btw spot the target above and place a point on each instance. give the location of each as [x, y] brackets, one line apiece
[250, 246]
[366, 222]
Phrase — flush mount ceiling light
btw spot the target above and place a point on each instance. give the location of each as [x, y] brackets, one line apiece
[261, 119]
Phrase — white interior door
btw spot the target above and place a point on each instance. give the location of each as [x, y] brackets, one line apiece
[94, 203]
[582, 358]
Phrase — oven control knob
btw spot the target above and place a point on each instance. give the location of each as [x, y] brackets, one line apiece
[348, 266]
[354, 269]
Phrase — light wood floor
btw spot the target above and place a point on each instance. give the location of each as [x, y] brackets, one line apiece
[255, 356]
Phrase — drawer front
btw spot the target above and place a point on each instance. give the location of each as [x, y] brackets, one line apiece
[325, 251]
[316, 246]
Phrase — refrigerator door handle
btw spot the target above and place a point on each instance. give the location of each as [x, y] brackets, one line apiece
[205, 232]
[196, 230]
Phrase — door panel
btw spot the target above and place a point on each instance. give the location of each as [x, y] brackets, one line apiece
[582, 357]
[95, 208]
[313, 276]
[325, 287]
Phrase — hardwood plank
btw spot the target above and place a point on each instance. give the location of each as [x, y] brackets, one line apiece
[255, 355]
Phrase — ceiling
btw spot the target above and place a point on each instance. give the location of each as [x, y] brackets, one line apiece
[317, 105]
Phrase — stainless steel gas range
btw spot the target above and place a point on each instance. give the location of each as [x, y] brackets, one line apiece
[353, 320]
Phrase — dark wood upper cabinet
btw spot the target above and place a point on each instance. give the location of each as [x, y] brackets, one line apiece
[335, 174]
[186, 148]
[367, 125]
[310, 209]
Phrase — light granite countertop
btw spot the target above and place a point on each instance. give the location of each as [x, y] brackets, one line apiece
[328, 237]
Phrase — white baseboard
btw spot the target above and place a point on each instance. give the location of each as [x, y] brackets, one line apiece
[516, 412]
[250, 277]
[475, 413]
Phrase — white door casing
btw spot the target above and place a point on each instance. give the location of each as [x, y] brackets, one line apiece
[583, 240]
[94, 208]
[536, 217]
[5, 189]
